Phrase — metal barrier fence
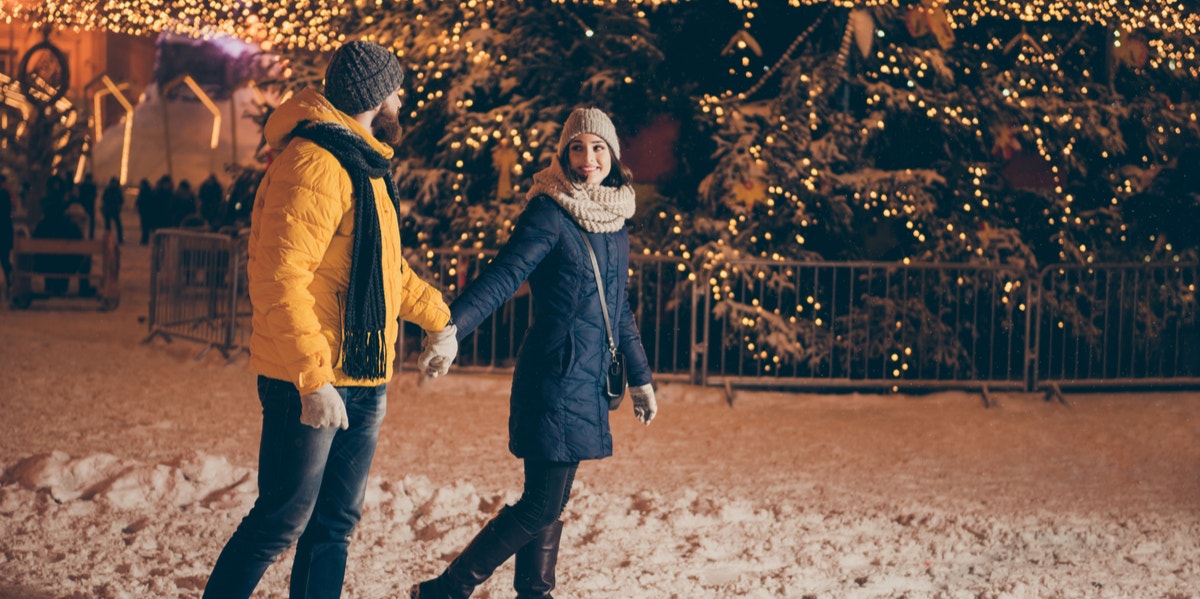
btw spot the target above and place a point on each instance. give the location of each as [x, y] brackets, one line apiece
[863, 324]
[655, 287]
[1117, 324]
[197, 289]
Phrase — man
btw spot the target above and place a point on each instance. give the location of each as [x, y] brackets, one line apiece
[328, 285]
[87, 199]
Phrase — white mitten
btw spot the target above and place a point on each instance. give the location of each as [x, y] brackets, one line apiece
[644, 406]
[438, 351]
[324, 408]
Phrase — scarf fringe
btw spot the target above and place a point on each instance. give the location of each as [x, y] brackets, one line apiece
[363, 354]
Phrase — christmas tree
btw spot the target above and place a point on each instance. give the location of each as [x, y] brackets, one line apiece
[888, 134]
[1003, 136]
[490, 111]
[487, 88]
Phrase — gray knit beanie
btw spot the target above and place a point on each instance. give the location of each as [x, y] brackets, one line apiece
[360, 76]
[589, 120]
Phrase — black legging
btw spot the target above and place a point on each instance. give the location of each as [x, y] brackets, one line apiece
[547, 490]
[111, 220]
[6, 265]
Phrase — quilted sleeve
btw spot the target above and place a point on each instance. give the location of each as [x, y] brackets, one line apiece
[637, 366]
[535, 235]
[421, 303]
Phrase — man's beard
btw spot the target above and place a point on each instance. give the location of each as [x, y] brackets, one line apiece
[386, 127]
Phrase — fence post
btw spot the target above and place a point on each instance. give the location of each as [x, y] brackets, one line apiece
[155, 266]
[1032, 317]
[700, 318]
[692, 341]
[232, 272]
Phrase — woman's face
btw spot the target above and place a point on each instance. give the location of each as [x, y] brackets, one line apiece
[590, 157]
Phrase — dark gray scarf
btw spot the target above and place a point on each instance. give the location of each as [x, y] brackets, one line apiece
[364, 355]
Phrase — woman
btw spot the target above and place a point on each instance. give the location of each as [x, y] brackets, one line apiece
[558, 408]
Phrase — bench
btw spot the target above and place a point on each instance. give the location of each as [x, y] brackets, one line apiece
[31, 271]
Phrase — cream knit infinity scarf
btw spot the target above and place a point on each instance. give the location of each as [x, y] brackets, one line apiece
[597, 208]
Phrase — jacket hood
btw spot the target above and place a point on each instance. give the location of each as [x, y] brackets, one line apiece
[309, 105]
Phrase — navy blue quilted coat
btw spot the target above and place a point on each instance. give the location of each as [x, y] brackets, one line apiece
[558, 411]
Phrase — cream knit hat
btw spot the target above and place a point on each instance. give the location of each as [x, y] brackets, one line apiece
[589, 120]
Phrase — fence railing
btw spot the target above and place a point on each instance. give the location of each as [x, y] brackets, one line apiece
[659, 294]
[1117, 324]
[797, 324]
[864, 324]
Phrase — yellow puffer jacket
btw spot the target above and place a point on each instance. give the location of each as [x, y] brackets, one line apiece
[301, 240]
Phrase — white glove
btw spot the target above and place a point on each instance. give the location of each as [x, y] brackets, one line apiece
[438, 351]
[644, 406]
[324, 408]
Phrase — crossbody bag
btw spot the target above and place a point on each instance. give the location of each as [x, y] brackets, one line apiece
[615, 380]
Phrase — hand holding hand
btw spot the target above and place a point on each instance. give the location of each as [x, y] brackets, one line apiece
[438, 351]
[644, 406]
[324, 408]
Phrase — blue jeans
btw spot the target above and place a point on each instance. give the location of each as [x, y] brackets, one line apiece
[311, 485]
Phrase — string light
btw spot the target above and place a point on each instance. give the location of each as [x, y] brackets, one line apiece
[316, 24]
[903, 198]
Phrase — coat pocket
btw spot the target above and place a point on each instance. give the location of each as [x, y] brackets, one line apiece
[567, 354]
[340, 332]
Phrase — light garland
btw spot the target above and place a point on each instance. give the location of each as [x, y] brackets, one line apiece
[1037, 88]
[312, 24]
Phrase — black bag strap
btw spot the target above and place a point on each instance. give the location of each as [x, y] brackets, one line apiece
[612, 346]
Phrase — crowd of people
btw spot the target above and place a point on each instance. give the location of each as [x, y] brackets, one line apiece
[166, 204]
[68, 210]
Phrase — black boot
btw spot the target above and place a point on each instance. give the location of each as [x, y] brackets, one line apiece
[535, 564]
[499, 540]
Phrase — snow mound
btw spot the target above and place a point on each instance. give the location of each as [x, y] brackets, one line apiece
[157, 529]
[131, 485]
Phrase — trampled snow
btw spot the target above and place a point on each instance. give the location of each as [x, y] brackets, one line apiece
[126, 465]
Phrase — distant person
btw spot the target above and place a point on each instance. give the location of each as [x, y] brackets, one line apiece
[85, 195]
[237, 209]
[110, 207]
[78, 215]
[145, 209]
[164, 201]
[6, 230]
[57, 224]
[183, 205]
[57, 194]
[210, 201]
[572, 245]
[328, 285]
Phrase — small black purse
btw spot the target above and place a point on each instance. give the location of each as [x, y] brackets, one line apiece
[615, 380]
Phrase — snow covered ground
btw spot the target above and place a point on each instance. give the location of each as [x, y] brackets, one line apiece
[125, 467]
